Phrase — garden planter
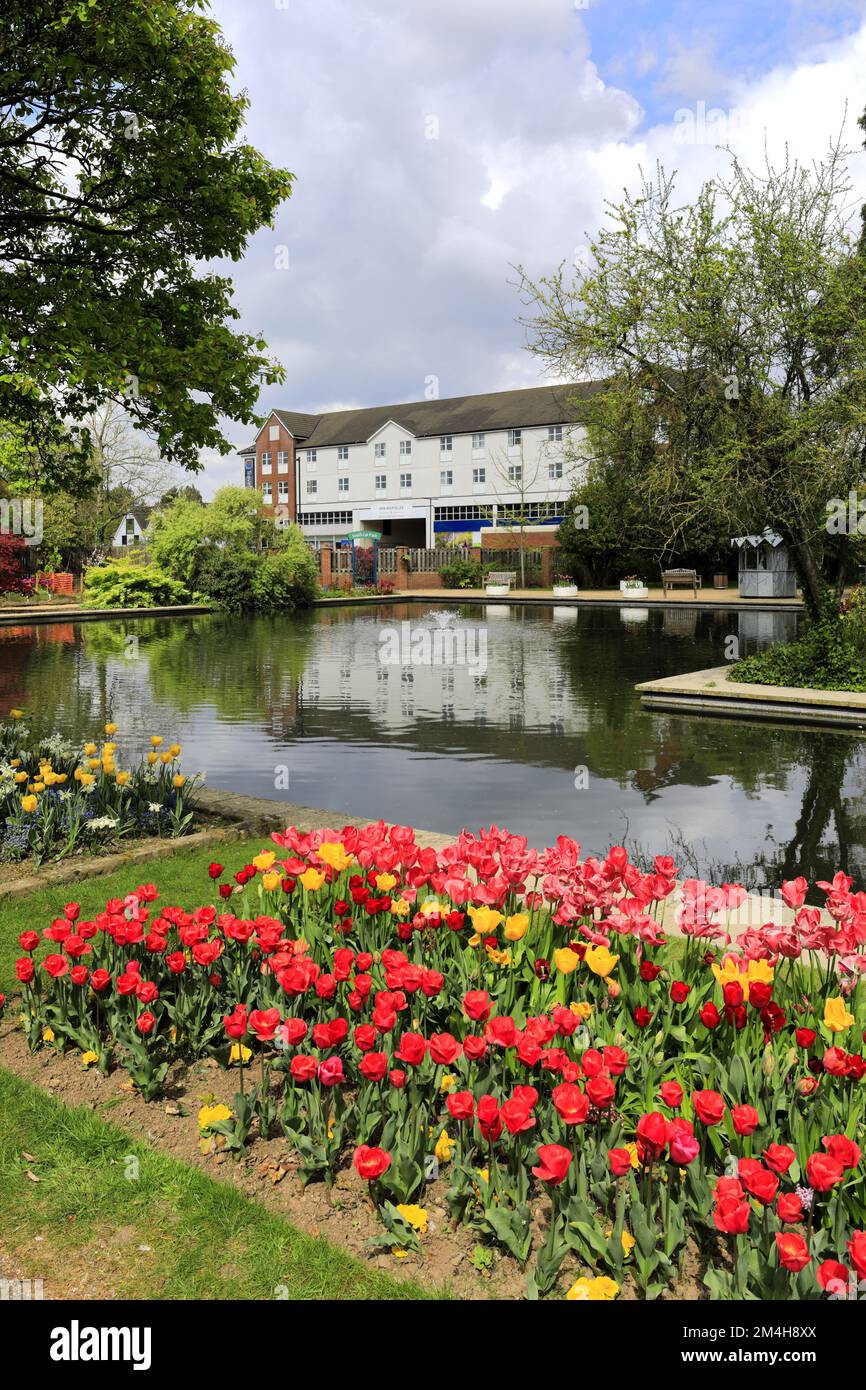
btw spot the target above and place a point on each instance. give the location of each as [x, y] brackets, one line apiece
[497, 590]
[633, 590]
[565, 591]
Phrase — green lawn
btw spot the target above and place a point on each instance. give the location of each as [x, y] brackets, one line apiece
[151, 1229]
[181, 879]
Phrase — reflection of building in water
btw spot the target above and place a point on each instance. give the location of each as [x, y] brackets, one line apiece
[514, 687]
[757, 630]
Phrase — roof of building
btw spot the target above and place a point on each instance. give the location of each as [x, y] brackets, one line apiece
[494, 410]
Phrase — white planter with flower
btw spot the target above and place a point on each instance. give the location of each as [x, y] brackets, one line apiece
[565, 589]
[632, 587]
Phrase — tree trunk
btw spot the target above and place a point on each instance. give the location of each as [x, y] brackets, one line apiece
[813, 585]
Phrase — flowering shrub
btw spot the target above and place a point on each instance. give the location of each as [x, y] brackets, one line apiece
[56, 796]
[520, 1023]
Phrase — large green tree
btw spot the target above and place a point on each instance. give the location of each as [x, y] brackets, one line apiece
[732, 334]
[122, 174]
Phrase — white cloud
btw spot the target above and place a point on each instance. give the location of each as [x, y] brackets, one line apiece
[436, 144]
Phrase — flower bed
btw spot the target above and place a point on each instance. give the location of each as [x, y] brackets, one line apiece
[596, 1096]
[57, 797]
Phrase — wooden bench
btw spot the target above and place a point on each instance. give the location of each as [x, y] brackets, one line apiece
[683, 579]
[508, 577]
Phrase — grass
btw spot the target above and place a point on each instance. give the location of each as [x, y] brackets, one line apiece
[111, 1217]
[181, 879]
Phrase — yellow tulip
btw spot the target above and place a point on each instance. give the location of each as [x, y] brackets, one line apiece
[28, 803]
[516, 926]
[600, 960]
[174, 750]
[87, 779]
[239, 1053]
[836, 1016]
[21, 776]
[312, 880]
[165, 759]
[566, 960]
[416, 1217]
[270, 881]
[444, 1145]
[264, 860]
[39, 786]
[178, 780]
[333, 853]
[93, 764]
[600, 1290]
[385, 882]
[212, 1115]
[16, 714]
[151, 759]
[155, 740]
[90, 749]
[111, 729]
[583, 1009]
[400, 907]
[485, 919]
[122, 779]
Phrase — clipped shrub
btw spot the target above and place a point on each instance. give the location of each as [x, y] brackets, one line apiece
[124, 584]
[461, 574]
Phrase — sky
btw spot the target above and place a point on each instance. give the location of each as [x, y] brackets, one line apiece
[437, 144]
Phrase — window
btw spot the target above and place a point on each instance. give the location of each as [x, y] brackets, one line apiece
[479, 477]
[283, 490]
[463, 512]
[445, 442]
[266, 492]
[405, 482]
[312, 487]
[380, 450]
[342, 484]
[283, 461]
[311, 456]
[325, 519]
[554, 434]
[446, 479]
[478, 441]
[554, 470]
[515, 473]
[266, 463]
[343, 454]
[130, 525]
[405, 447]
[381, 482]
[274, 432]
[514, 438]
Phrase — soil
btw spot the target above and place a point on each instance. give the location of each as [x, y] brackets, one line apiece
[268, 1173]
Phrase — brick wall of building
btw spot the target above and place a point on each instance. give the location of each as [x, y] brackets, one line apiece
[265, 444]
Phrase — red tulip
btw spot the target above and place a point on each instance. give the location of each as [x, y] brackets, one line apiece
[553, 1163]
[793, 1251]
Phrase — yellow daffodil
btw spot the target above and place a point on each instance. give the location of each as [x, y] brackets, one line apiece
[484, 919]
[416, 1217]
[444, 1145]
[566, 960]
[836, 1016]
[239, 1053]
[29, 803]
[600, 1290]
[516, 926]
[312, 880]
[263, 861]
[333, 853]
[271, 881]
[600, 960]
[212, 1115]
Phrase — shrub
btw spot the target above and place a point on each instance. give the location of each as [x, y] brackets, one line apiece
[287, 576]
[830, 655]
[226, 577]
[11, 564]
[123, 584]
[461, 574]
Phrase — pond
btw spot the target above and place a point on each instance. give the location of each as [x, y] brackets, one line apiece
[525, 717]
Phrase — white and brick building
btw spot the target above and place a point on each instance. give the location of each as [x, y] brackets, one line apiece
[424, 472]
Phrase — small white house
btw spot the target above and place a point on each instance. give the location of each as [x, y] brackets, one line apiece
[130, 531]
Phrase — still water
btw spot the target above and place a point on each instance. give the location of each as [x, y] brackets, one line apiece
[536, 727]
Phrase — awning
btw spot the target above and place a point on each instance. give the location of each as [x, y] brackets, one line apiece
[767, 537]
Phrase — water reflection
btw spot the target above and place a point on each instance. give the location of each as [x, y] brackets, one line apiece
[443, 745]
